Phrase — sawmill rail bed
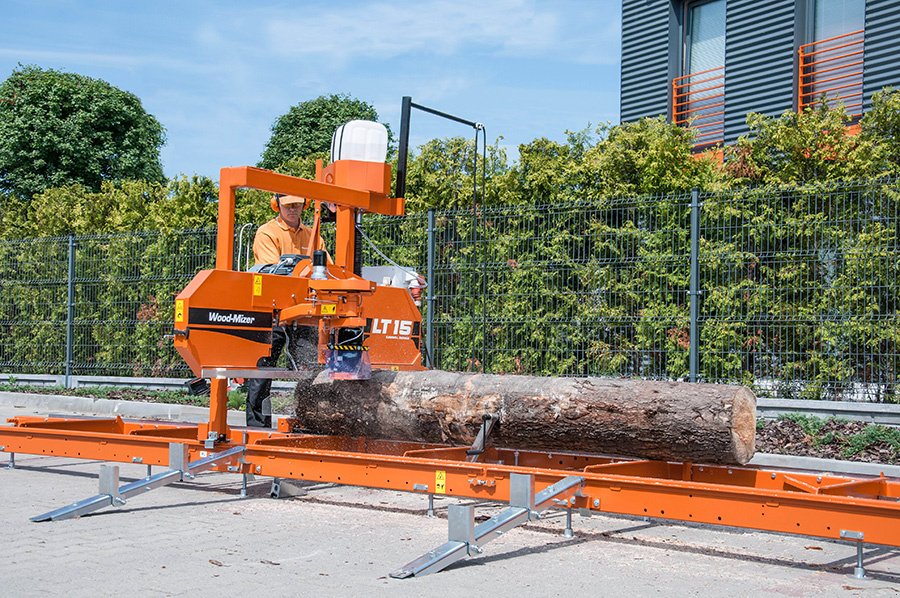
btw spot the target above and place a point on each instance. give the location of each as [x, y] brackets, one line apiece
[811, 504]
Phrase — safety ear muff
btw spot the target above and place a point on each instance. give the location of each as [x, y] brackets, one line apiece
[275, 203]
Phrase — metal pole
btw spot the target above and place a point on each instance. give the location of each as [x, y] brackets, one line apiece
[859, 572]
[694, 350]
[569, 532]
[70, 312]
[430, 511]
[403, 148]
[429, 298]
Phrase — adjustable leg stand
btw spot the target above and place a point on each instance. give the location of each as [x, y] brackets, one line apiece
[859, 572]
[12, 461]
[430, 511]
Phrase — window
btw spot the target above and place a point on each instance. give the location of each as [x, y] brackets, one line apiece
[698, 95]
[836, 17]
[831, 65]
[704, 46]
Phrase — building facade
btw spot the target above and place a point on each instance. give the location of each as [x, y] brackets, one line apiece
[707, 63]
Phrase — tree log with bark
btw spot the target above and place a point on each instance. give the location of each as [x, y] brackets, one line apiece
[676, 421]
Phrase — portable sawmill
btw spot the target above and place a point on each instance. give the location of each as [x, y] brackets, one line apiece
[223, 326]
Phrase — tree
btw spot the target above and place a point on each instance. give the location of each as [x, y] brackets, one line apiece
[61, 128]
[440, 175]
[307, 128]
[797, 148]
[880, 131]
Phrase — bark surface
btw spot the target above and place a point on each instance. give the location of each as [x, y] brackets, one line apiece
[679, 421]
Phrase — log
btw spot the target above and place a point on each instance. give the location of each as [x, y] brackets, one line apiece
[675, 421]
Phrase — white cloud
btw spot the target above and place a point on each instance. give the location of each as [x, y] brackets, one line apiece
[94, 58]
[382, 30]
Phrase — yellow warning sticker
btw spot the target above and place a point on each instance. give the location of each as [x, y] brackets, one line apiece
[257, 285]
[440, 482]
[329, 309]
[179, 311]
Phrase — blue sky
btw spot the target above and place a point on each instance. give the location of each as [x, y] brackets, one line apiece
[218, 74]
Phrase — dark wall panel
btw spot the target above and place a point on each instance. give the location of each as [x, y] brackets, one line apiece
[882, 49]
[645, 78]
[759, 61]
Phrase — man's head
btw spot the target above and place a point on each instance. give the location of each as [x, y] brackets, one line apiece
[290, 207]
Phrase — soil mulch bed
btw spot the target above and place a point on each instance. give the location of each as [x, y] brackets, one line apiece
[830, 439]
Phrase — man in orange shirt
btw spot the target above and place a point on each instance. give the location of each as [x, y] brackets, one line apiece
[285, 234]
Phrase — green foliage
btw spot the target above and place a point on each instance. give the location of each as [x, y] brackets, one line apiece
[880, 131]
[440, 175]
[306, 128]
[797, 148]
[183, 203]
[58, 129]
[648, 156]
[873, 434]
[810, 424]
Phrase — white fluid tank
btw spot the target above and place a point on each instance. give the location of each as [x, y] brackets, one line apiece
[362, 140]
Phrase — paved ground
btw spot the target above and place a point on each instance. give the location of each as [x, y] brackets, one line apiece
[337, 541]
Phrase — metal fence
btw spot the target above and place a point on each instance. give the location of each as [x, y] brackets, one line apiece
[792, 292]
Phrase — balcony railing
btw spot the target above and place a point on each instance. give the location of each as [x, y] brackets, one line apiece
[698, 101]
[833, 68]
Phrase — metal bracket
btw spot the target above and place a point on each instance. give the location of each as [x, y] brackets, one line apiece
[109, 484]
[282, 488]
[488, 421]
[466, 539]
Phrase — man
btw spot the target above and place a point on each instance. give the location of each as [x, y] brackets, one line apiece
[284, 234]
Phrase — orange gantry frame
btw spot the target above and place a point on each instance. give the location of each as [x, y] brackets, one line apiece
[824, 506]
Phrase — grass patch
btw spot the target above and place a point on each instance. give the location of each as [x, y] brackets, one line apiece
[810, 424]
[872, 434]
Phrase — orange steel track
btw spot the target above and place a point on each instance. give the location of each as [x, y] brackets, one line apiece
[797, 503]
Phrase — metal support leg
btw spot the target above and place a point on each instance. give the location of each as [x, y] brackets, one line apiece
[569, 532]
[244, 486]
[111, 494]
[149, 470]
[859, 572]
[464, 538]
[12, 461]
[430, 511]
[109, 484]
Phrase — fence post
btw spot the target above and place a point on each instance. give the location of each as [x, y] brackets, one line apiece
[694, 349]
[70, 312]
[429, 297]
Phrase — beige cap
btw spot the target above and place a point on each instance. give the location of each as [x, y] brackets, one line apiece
[289, 199]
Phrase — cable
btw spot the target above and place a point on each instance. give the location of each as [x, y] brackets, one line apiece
[287, 347]
[389, 260]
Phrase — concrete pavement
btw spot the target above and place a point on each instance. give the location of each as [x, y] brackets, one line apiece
[337, 541]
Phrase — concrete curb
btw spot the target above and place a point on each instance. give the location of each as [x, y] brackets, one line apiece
[110, 407]
[807, 464]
